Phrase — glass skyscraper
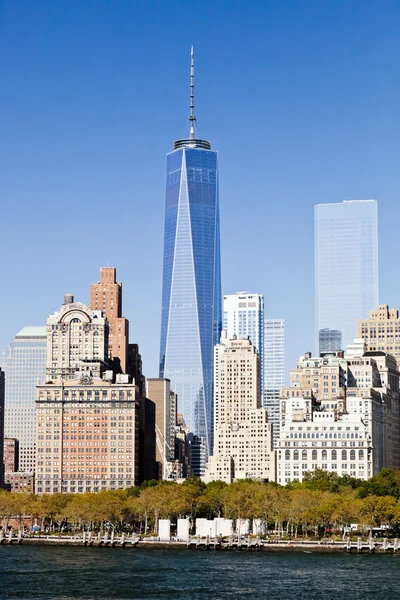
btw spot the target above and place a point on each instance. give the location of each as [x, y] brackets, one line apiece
[24, 363]
[346, 268]
[243, 316]
[191, 297]
[274, 371]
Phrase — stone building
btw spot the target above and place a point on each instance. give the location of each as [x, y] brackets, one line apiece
[11, 454]
[243, 434]
[340, 415]
[86, 415]
[381, 331]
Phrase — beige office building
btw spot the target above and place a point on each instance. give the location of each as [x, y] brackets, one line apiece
[159, 391]
[381, 331]
[86, 417]
[243, 434]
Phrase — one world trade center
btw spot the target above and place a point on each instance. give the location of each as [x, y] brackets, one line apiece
[191, 295]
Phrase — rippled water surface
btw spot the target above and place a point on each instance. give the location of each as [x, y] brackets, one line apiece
[61, 573]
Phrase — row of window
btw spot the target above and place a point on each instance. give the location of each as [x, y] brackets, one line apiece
[324, 454]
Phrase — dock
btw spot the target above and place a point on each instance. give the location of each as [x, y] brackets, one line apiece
[233, 543]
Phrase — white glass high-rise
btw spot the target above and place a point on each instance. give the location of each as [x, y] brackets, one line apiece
[244, 317]
[346, 267]
[24, 363]
[274, 370]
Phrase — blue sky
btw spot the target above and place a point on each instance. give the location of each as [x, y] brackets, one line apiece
[300, 98]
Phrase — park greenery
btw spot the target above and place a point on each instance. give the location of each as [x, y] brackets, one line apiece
[322, 504]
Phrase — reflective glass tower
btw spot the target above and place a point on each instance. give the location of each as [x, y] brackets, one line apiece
[274, 370]
[24, 363]
[346, 269]
[191, 297]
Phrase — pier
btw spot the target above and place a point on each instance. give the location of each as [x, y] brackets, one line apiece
[243, 543]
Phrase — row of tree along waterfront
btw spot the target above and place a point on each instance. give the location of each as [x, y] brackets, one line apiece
[323, 503]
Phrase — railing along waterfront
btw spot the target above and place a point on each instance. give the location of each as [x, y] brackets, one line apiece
[245, 542]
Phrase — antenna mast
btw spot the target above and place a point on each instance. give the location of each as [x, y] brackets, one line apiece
[192, 118]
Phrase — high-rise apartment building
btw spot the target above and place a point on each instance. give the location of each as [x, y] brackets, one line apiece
[86, 416]
[340, 415]
[243, 434]
[24, 362]
[346, 268]
[381, 331]
[274, 370]
[2, 396]
[243, 316]
[191, 298]
[106, 295]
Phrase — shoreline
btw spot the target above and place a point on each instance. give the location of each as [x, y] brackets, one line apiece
[306, 547]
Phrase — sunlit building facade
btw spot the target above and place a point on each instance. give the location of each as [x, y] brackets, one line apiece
[191, 295]
[340, 415]
[243, 434]
[346, 267]
[24, 362]
[243, 316]
[274, 370]
[87, 426]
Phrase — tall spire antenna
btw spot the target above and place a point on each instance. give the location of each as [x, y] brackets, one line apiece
[192, 118]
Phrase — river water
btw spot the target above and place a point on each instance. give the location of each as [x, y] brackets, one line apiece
[75, 573]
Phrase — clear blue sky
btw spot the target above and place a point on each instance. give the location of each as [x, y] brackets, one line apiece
[301, 98]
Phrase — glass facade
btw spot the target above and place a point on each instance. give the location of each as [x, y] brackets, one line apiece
[24, 363]
[346, 266]
[274, 371]
[191, 297]
[243, 316]
[330, 340]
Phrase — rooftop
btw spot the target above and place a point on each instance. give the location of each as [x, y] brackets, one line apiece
[32, 332]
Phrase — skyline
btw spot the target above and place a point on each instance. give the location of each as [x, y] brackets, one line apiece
[75, 132]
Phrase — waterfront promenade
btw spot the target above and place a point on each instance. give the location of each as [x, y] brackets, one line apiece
[242, 543]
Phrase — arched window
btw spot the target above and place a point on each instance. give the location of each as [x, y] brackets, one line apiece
[304, 454]
[75, 320]
[361, 454]
[296, 455]
[324, 455]
[334, 454]
[314, 455]
[352, 455]
[344, 454]
[287, 454]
